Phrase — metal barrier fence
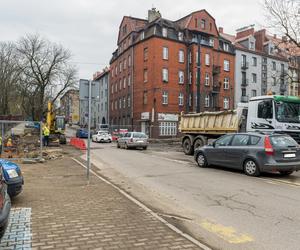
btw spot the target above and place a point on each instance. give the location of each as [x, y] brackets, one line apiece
[20, 140]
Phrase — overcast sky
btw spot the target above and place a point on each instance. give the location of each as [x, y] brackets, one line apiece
[89, 28]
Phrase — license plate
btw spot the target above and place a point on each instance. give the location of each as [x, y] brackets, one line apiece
[289, 155]
[140, 141]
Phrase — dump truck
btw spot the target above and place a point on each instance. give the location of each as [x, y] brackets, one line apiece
[271, 113]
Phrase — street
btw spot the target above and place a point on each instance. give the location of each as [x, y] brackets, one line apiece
[222, 208]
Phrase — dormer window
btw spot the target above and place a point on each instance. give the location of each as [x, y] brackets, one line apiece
[180, 36]
[251, 46]
[143, 35]
[165, 32]
[225, 46]
[211, 42]
[203, 24]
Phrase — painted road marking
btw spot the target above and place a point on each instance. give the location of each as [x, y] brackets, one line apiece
[278, 182]
[228, 234]
[18, 233]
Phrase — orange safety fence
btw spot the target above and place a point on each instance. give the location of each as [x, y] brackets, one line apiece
[78, 143]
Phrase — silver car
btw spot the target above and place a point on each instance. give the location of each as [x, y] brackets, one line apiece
[133, 140]
[252, 152]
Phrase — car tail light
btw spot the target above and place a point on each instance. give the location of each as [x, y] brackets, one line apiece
[268, 146]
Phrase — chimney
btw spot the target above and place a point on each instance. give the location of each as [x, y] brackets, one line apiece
[245, 31]
[153, 14]
[284, 39]
[221, 30]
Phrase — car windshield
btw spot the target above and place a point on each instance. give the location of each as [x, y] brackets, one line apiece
[288, 112]
[283, 141]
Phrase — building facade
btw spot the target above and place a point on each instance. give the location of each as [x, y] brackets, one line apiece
[103, 80]
[69, 106]
[260, 68]
[163, 67]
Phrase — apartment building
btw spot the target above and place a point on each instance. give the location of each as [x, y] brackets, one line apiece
[260, 68]
[69, 106]
[164, 67]
[102, 78]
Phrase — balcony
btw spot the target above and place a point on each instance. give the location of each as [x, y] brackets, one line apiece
[216, 88]
[216, 69]
[244, 98]
[245, 82]
[245, 65]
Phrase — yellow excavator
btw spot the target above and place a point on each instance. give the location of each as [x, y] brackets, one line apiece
[56, 125]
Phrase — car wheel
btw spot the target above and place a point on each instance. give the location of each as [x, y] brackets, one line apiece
[118, 145]
[187, 146]
[251, 168]
[201, 160]
[144, 148]
[109, 141]
[286, 173]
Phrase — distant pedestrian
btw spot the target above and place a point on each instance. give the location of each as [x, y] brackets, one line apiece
[9, 146]
[46, 133]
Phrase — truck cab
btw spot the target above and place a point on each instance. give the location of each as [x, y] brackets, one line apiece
[275, 113]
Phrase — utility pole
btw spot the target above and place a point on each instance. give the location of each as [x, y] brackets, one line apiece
[198, 74]
[89, 133]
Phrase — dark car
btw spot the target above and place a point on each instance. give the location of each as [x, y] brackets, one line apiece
[13, 177]
[82, 133]
[252, 152]
[5, 205]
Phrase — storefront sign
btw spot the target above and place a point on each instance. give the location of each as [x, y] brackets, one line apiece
[167, 117]
[145, 116]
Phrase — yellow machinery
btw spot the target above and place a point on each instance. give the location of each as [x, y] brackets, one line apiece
[56, 125]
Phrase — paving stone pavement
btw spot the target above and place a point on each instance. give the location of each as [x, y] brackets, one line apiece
[65, 213]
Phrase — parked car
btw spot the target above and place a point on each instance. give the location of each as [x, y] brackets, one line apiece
[5, 205]
[133, 140]
[82, 133]
[252, 152]
[101, 136]
[13, 177]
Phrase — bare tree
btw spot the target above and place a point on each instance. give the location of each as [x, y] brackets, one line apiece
[9, 76]
[45, 68]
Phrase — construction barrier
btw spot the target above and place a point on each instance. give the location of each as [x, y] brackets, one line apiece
[78, 143]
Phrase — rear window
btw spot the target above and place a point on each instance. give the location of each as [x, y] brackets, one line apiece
[283, 141]
[139, 135]
[254, 140]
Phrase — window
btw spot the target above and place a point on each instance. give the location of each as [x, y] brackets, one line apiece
[265, 109]
[145, 97]
[116, 104]
[142, 35]
[181, 76]
[253, 92]
[124, 82]
[226, 83]
[274, 81]
[120, 103]
[203, 24]
[223, 141]
[165, 32]
[244, 92]
[168, 128]
[254, 140]
[210, 26]
[120, 84]
[116, 70]
[206, 79]
[190, 100]
[165, 53]
[145, 75]
[165, 97]
[226, 65]
[129, 80]
[254, 78]
[124, 102]
[145, 54]
[129, 60]
[244, 60]
[206, 59]
[282, 68]
[180, 36]
[112, 72]
[240, 140]
[207, 101]
[190, 77]
[196, 22]
[128, 101]
[112, 105]
[273, 65]
[165, 75]
[264, 67]
[226, 103]
[211, 42]
[116, 87]
[120, 67]
[181, 56]
[226, 46]
[254, 61]
[112, 88]
[252, 45]
[180, 99]
[264, 60]
[124, 64]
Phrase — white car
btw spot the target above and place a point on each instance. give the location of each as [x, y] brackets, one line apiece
[101, 137]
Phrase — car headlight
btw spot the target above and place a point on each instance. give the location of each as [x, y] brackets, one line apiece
[12, 173]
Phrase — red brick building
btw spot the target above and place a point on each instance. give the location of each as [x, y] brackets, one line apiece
[154, 72]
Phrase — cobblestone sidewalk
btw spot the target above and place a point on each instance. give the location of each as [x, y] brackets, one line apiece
[65, 213]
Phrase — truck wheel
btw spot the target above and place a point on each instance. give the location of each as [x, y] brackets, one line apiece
[187, 146]
[198, 143]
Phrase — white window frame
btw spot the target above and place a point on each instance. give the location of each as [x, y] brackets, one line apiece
[226, 65]
[180, 36]
[168, 128]
[206, 79]
[254, 76]
[226, 103]
[145, 75]
[226, 82]
[180, 77]
[165, 75]
[225, 46]
[143, 35]
[124, 83]
[124, 102]
[207, 59]
[165, 53]
[180, 99]
[181, 56]
[165, 32]
[207, 101]
[254, 61]
[165, 98]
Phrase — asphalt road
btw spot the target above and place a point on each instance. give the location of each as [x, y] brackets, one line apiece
[223, 208]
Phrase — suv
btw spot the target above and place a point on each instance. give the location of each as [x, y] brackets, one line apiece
[252, 152]
[5, 204]
[133, 140]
